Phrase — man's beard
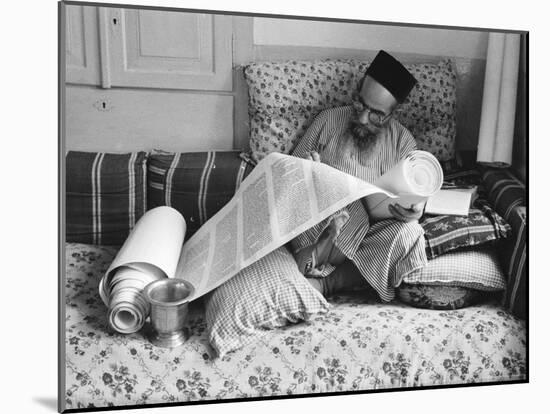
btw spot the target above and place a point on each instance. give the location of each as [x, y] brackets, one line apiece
[365, 140]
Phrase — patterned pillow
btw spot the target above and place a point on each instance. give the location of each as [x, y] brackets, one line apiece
[437, 297]
[267, 294]
[446, 233]
[105, 195]
[197, 184]
[292, 93]
[475, 269]
[279, 135]
[429, 112]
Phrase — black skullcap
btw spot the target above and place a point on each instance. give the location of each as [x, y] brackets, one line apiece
[392, 75]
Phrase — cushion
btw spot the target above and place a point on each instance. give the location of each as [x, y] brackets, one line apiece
[105, 195]
[457, 175]
[514, 259]
[439, 297]
[268, 294]
[285, 97]
[505, 191]
[197, 184]
[508, 194]
[474, 268]
[445, 233]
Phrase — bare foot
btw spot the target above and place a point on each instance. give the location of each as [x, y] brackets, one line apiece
[311, 259]
[326, 240]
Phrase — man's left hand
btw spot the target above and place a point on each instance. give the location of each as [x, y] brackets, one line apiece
[407, 214]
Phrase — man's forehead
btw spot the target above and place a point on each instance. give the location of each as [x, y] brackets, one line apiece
[376, 96]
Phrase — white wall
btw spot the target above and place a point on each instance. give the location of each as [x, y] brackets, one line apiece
[442, 42]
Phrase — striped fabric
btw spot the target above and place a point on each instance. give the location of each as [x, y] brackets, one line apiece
[475, 268]
[268, 294]
[508, 195]
[197, 184]
[386, 251]
[505, 191]
[105, 195]
[514, 259]
[390, 251]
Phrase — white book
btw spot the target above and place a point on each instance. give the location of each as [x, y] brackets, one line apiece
[456, 201]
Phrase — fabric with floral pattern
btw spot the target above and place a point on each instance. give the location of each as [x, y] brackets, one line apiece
[440, 297]
[359, 344]
[284, 98]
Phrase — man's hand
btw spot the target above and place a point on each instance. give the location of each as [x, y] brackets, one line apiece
[314, 156]
[407, 214]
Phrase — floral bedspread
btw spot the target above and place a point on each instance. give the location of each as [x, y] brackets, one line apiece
[359, 345]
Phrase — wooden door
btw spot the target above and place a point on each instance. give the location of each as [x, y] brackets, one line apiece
[82, 45]
[169, 50]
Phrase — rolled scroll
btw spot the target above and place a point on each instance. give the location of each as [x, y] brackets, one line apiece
[150, 252]
[412, 180]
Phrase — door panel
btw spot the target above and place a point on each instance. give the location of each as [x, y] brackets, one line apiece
[81, 45]
[119, 120]
[173, 50]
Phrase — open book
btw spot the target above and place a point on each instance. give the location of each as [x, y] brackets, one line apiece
[452, 201]
[282, 197]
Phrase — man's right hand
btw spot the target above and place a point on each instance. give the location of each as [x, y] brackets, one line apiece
[407, 214]
[314, 156]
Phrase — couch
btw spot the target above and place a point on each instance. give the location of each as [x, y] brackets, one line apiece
[357, 343]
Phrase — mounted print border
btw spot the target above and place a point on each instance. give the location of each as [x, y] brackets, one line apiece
[176, 107]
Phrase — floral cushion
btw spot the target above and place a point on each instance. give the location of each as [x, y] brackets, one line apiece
[278, 131]
[438, 297]
[285, 97]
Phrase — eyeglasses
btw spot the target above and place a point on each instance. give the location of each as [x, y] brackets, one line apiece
[377, 118]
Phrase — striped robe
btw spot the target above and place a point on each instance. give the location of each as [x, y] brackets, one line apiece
[384, 251]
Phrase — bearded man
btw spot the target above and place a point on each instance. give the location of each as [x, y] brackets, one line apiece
[349, 250]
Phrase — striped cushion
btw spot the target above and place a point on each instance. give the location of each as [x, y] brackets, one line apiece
[514, 258]
[505, 191]
[476, 269]
[197, 184]
[105, 195]
[268, 294]
[446, 233]
[508, 195]
[456, 175]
